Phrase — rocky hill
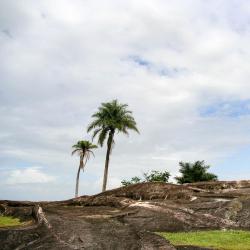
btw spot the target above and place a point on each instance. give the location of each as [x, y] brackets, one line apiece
[125, 218]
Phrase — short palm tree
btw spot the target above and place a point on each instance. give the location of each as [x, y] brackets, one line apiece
[83, 149]
[111, 117]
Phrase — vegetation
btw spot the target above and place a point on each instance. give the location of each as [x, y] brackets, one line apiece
[221, 240]
[194, 172]
[157, 176]
[149, 177]
[111, 117]
[133, 180]
[83, 149]
[7, 221]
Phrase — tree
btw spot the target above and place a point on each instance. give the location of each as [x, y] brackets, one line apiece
[83, 149]
[157, 176]
[153, 176]
[110, 118]
[194, 172]
[133, 180]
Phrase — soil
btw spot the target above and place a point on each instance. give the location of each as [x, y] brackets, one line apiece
[127, 217]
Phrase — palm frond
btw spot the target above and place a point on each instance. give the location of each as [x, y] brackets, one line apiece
[96, 132]
[102, 136]
[112, 116]
[74, 151]
[93, 124]
[91, 152]
[83, 147]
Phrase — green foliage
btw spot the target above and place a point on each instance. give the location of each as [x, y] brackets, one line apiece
[157, 176]
[133, 180]
[153, 176]
[110, 117]
[221, 240]
[194, 172]
[7, 221]
[83, 148]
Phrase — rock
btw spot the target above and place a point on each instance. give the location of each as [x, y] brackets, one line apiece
[125, 218]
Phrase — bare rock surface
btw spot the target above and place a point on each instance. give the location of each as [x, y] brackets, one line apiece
[127, 217]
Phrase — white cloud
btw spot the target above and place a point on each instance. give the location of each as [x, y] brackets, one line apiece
[61, 59]
[28, 176]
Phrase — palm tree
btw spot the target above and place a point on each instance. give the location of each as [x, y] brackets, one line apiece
[111, 117]
[83, 148]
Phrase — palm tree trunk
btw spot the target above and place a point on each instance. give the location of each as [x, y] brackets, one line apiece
[78, 174]
[77, 181]
[105, 176]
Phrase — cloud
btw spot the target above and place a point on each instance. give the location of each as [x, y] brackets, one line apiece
[182, 66]
[7, 33]
[28, 176]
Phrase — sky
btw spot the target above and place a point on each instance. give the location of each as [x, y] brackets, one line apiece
[181, 66]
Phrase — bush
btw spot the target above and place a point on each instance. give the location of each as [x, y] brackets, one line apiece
[194, 172]
[133, 180]
[157, 176]
[153, 176]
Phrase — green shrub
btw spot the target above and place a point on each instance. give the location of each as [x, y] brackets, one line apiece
[194, 172]
[153, 176]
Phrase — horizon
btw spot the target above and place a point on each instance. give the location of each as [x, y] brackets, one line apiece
[182, 68]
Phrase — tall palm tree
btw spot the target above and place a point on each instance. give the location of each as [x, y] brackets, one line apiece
[111, 117]
[83, 148]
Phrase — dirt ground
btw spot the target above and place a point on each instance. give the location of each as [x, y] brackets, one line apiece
[126, 218]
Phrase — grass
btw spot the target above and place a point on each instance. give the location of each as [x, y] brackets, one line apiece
[8, 221]
[222, 240]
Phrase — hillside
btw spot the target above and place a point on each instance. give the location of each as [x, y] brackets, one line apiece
[125, 218]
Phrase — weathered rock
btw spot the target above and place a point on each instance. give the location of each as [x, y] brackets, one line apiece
[123, 218]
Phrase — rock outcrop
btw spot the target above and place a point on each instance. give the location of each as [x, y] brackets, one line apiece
[126, 217]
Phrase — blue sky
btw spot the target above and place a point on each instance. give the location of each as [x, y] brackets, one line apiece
[234, 167]
[234, 109]
[182, 66]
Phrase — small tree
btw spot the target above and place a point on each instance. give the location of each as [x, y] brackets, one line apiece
[83, 149]
[153, 176]
[133, 180]
[157, 176]
[194, 172]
